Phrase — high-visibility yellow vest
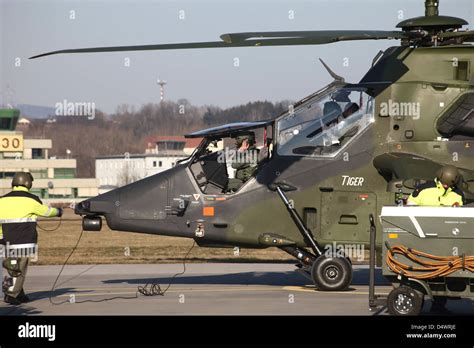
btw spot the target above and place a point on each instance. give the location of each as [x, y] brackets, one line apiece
[19, 210]
[433, 193]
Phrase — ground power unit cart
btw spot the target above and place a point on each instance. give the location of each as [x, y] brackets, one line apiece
[426, 252]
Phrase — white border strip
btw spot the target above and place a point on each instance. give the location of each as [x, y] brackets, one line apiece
[461, 212]
[20, 246]
[12, 221]
[417, 226]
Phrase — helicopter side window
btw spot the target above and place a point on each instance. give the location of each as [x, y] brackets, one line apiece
[222, 168]
[210, 170]
[458, 121]
[322, 127]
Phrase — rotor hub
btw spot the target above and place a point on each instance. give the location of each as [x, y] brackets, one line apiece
[429, 23]
[431, 27]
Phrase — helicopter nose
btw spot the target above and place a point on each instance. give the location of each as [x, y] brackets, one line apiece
[82, 208]
[97, 206]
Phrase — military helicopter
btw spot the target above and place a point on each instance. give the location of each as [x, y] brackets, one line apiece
[332, 159]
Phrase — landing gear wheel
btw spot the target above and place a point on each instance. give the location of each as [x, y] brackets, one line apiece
[331, 273]
[404, 301]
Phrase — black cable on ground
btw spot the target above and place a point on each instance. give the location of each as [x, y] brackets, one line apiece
[61, 271]
[150, 289]
[154, 289]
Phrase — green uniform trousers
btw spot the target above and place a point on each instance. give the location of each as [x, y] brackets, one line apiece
[16, 268]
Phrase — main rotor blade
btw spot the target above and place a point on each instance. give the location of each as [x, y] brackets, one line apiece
[323, 36]
[465, 36]
[249, 39]
[212, 44]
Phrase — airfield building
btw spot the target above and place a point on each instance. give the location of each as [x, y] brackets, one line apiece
[161, 153]
[54, 177]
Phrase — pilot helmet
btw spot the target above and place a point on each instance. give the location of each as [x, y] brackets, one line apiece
[331, 108]
[250, 136]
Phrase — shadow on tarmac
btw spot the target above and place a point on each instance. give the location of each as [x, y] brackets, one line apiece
[360, 277]
[26, 309]
[19, 310]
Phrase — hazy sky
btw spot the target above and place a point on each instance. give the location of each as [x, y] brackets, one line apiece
[202, 76]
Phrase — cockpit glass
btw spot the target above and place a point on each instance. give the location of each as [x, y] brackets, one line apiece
[326, 124]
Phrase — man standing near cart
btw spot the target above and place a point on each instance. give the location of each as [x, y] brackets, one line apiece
[442, 191]
[19, 210]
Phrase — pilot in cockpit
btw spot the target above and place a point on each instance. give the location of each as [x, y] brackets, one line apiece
[331, 111]
[245, 161]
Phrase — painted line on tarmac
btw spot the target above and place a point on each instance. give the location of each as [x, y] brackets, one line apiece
[225, 289]
[170, 291]
[314, 290]
[174, 288]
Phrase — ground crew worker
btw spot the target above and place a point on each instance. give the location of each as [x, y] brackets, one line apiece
[19, 210]
[245, 162]
[438, 192]
[441, 191]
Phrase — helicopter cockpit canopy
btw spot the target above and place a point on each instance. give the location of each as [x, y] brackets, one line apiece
[326, 123]
[228, 129]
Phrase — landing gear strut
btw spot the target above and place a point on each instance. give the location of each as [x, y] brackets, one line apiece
[328, 273]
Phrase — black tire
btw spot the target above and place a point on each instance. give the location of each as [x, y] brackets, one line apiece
[404, 301]
[331, 273]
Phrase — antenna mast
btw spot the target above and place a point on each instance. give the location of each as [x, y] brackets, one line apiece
[162, 84]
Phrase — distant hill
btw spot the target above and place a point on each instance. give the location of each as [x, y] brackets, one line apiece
[35, 111]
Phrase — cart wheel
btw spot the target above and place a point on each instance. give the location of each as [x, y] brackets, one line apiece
[404, 301]
[331, 273]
